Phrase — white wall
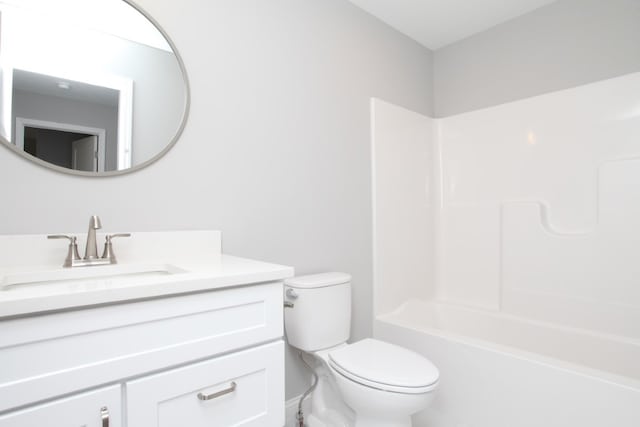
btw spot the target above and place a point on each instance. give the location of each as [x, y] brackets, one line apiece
[158, 97]
[6, 83]
[536, 213]
[404, 205]
[276, 150]
[539, 218]
[540, 207]
[565, 44]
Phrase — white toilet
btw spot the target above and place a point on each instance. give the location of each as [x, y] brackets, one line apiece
[381, 384]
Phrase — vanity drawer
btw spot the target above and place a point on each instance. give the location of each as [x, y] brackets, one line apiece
[240, 389]
[84, 409]
[91, 347]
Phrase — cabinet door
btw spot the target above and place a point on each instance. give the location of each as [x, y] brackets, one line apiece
[99, 408]
[241, 389]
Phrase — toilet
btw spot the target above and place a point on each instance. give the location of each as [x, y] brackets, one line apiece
[369, 383]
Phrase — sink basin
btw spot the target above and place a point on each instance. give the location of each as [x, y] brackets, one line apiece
[87, 274]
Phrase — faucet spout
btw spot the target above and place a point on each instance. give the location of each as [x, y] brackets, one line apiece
[91, 250]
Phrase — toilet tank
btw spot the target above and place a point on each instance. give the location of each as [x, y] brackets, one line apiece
[321, 314]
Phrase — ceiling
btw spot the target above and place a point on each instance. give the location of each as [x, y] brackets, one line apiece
[43, 84]
[437, 23]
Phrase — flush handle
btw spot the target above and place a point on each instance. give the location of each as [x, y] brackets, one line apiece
[292, 294]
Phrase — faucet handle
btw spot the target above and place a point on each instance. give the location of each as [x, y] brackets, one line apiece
[113, 236]
[62, 236]
[72, 254]
[108, 247]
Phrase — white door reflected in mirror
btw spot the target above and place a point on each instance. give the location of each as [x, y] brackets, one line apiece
[84, 154]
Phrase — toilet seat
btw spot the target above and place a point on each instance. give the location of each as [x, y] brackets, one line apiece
[385, 366]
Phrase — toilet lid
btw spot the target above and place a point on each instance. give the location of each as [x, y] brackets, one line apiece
[385, 366]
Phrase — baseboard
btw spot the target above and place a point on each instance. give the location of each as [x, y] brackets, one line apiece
[291, 408]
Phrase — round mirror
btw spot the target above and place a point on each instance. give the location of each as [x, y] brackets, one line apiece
[88, 87]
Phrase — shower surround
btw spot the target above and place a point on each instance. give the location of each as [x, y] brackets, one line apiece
[508, 235]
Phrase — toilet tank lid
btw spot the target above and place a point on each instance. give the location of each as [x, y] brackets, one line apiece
[321, 280]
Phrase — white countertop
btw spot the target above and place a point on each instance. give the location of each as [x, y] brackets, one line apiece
[224, 272]
[206, 270]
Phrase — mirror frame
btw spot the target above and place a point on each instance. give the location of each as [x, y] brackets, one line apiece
[185, 115]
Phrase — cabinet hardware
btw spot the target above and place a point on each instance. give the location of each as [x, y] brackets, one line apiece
[104, 415]
[231, 389]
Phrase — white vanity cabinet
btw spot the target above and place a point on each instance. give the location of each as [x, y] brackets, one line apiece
[238, 389]
[98, 408]
[146, 362]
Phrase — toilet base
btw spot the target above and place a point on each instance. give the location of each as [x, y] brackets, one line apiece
[327, 407]
[377, 422]
[328, 420]
[313, 421]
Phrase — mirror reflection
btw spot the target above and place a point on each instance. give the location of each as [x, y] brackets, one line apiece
[91, 86]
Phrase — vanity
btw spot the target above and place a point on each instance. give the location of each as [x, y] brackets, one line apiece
[175, 334]
[162, 329]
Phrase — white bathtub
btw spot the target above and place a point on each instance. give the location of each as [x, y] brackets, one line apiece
[504, 371]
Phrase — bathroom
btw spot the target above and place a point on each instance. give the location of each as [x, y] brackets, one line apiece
[276, 153]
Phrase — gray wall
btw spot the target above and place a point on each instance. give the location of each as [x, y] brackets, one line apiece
[62, 110]
[562, 45]
[276, 152]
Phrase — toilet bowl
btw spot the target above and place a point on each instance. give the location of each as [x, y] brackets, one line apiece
[383, 383]
[368, 383]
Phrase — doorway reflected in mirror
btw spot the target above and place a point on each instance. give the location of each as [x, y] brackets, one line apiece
[69, 150]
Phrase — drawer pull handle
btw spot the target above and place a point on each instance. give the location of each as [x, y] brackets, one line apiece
[231, 389]
[104, 415]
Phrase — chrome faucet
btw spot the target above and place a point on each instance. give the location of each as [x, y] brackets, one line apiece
[91, 250]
